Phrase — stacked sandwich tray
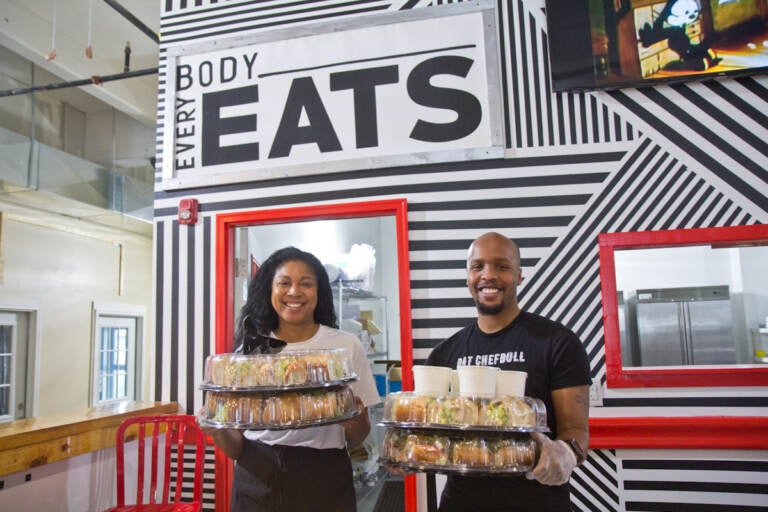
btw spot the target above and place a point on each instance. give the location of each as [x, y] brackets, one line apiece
[288, 390]
[461, 434]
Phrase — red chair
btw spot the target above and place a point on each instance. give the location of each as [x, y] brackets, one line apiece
[163, 432]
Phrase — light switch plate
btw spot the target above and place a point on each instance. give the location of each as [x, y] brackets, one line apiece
[596, 394]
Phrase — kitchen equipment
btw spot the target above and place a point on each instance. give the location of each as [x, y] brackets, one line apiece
[760, 343]
[684, 326]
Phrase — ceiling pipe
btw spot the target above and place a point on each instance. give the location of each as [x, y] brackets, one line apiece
[133, 19]
[94, 80]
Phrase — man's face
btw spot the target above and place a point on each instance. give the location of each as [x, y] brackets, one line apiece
[493, 274]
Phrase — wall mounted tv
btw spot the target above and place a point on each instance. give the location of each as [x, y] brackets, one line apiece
[605, 44]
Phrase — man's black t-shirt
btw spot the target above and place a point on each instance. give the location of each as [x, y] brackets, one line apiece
[554, 358]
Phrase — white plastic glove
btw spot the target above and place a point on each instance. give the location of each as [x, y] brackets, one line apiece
[556, 461]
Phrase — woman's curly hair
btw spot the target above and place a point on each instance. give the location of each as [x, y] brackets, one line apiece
[258, 308]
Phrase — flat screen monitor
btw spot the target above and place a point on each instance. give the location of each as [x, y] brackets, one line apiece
[607, 44]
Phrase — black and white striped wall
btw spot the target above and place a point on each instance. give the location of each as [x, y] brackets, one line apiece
[690, 155]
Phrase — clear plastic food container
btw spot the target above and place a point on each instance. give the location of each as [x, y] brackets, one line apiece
[393, 445]
[503, 412]
[407, 407]
[454, 410]
[427, 449]
[519, 453]
[481, 453]
[471, 452]
[295, 409]
[299, 368]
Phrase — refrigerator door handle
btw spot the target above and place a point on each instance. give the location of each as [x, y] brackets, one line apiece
[685, 311]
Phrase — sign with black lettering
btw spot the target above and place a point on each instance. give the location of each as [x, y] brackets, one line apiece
[382, 90]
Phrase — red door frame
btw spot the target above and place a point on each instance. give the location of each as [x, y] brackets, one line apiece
[224, 295]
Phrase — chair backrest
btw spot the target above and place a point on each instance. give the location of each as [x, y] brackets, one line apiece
[163, 432]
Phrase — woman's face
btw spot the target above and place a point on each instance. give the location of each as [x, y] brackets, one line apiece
[294, 293]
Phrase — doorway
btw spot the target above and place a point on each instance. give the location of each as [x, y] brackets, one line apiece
[376, 304]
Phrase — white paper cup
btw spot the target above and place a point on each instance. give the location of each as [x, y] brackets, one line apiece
[477, 380]
[510, 382]
[431, 380]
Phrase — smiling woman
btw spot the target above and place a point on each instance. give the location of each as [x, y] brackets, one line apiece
[290, 298]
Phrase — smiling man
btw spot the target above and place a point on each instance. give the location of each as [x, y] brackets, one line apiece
[558, 374]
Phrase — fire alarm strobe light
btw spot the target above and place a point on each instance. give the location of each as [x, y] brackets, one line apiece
[188, 211]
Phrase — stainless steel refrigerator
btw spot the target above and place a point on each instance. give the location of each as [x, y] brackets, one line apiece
[685, 326]
[627, 347]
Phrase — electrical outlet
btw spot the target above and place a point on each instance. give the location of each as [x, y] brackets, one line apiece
[596, 393]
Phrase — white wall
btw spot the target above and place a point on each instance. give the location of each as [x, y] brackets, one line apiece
[61, 273]
[85, 483]
[656, 268]
[754, 263]
[743, 270]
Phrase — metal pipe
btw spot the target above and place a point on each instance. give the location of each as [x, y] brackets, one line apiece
[133, 19]
[94, 80]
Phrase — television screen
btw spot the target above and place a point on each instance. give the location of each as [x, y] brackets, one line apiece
[604, 44]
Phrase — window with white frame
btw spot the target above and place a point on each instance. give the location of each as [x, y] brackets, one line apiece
[6, 370]
[115, 356]
[17, 364]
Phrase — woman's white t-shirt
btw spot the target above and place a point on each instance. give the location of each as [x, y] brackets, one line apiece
[326, 436]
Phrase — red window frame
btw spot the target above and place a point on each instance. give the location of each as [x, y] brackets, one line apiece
[619, 377]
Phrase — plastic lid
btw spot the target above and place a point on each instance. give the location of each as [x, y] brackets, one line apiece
[298, 368]
[502, 412]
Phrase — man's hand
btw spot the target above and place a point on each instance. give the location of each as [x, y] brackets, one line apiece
[556, 461]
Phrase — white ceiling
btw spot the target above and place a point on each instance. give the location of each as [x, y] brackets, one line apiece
[27, 28]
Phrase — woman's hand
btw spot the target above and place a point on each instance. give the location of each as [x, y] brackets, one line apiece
[397, 470]
[356, 429]
[228, 440]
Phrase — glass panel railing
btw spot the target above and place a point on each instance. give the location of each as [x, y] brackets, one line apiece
[69, 176]
[14, 158]
[137, 199]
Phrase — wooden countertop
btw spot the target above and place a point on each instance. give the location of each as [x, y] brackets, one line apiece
[33, 442]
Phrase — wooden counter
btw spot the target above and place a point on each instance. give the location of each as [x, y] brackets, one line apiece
[33, 442]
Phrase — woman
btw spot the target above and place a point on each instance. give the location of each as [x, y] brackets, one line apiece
[303, 469]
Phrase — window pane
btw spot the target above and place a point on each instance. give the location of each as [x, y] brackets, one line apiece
[112, 358]
[115, 369]
[121, 336]
[103, 362]
[104, 388]
[5, 398]
[104, 339]
[5, 339]
[121, 383]
[5, 369]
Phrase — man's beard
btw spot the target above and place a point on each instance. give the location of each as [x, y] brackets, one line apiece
[485, 309]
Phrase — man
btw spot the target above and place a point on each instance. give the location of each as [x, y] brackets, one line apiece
[558, 374]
